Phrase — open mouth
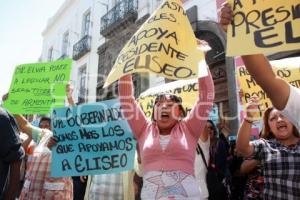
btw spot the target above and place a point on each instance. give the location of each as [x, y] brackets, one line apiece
[281, 127]
[164, 115]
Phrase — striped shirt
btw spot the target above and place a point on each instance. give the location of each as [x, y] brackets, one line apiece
[281, 168]
[38, 184]
[106, 186]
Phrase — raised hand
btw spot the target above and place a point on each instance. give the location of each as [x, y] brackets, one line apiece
[69, 93]
[252, 109]
[226, 16]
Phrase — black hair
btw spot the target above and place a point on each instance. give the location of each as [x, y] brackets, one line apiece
[173, 98]
[45, 118]
[213, 127]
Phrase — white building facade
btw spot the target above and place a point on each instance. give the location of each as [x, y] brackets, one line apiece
[73, 32]
[93, 32]
[119, 10]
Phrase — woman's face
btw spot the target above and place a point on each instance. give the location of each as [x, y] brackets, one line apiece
[210, 130]
[279, 125]
[166, 113]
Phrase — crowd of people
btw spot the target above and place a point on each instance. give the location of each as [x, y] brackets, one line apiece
[178, 156]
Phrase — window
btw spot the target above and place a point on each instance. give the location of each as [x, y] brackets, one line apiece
[86, 24]
[82, 84]
[65, 44]
[50, 54]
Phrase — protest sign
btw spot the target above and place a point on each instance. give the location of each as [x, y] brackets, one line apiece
[92, 138]
[187, 90]
[288, 69]
[165, 45]
[257, 125]
[267, 26]
[37, 87]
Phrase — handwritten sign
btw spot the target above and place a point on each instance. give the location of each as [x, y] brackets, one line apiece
[267, 26]
[187, 90]
[92, 139]
[288, 69]
[165, 45]
[38, 87]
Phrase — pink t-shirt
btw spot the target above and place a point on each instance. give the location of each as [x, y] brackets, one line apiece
[179, 154]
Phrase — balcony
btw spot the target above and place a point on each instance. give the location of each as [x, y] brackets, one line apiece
[122, 14]
[81, 47]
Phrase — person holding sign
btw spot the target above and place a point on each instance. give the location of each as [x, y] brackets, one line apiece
[38, 183]
[279, 156]
[284, 96]
[167, 143]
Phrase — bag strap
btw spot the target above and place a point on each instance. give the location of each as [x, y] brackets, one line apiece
[202, 155]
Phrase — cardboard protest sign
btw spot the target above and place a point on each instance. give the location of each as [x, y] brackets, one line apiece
[288, 69]
[187, 90]
[37, 87]
[92, 138]
[257, 125]
[266, 26]
[165, 45]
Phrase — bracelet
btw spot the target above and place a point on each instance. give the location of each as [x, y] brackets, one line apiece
[248, 120]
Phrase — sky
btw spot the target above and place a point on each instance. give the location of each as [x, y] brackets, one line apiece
[22, 23]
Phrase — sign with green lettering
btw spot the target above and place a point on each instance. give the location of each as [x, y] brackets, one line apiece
[37, 87]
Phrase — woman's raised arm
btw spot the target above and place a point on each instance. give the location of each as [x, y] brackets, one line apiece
[131, 110]
[196, 120]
